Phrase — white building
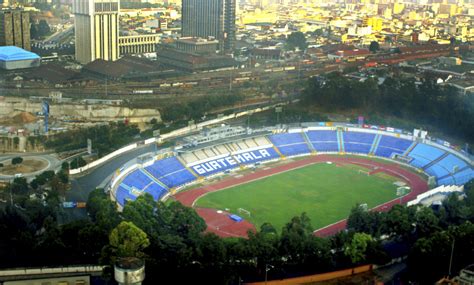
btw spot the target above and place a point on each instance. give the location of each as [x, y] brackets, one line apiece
[96, 28]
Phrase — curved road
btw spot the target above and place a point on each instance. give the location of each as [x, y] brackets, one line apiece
[53, 164]
[82, 185]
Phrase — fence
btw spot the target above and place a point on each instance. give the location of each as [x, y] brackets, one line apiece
[318, 277]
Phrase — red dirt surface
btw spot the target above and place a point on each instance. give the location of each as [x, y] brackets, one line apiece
[223, 226]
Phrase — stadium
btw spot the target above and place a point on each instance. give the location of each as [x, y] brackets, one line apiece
[239, 178]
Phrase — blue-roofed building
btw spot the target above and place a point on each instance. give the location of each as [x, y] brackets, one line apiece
[12, 57]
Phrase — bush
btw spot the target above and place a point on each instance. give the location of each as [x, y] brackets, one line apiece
[77, 162]
[17, 160]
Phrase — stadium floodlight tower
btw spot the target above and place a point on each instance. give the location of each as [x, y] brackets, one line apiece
[129, 271]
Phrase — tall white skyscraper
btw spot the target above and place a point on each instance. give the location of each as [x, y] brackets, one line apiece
[96, 28]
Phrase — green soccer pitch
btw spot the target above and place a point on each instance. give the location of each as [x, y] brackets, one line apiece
[326, 192]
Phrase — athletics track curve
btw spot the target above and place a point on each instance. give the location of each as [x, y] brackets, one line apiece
[223, 226]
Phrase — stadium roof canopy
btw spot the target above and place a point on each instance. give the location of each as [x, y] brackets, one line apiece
[13, 53]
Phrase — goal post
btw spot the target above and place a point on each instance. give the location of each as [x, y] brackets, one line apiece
[243, 211]
[363, 172]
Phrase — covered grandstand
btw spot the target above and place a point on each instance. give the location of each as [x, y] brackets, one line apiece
[162, 176]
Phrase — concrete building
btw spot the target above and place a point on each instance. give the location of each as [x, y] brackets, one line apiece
[138, 44]
[210, 18]
[79, 275]
[12, 57]
[15, 29]
[197, 45]
[97, 29]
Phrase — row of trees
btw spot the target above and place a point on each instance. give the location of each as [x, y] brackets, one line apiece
[425, 235]
[105, 138]
[425, 102]
[172, 239]
[199, 107]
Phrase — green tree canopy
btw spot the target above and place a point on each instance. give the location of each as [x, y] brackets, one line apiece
[374, 46]
[296, 40]
[128, 240]
[357, 248]
[17, 160]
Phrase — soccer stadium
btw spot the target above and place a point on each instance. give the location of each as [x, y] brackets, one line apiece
[238, 178]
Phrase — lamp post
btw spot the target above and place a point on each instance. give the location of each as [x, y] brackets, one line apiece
[268, 267]
[451, 258]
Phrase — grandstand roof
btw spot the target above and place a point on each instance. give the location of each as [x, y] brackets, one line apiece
[13, 53]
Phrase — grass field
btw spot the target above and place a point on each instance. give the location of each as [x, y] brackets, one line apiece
[326, 192]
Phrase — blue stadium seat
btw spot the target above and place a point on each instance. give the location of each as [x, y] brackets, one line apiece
[463, 177]
[356, 142]
[122, 194]
[295, 149]
[171, 172]
[389, 145]
[290, 144]
[450, 161]
[424, 154]
[447, 181]
[323, 141]
[437, 170]
[286, 139]
[137, 179]
[156, 190]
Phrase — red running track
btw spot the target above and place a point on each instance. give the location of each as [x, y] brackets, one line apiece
[223, 226]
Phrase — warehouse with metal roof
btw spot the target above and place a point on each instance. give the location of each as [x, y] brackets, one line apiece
[12, 57]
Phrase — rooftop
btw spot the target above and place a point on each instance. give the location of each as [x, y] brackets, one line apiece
[13, 53]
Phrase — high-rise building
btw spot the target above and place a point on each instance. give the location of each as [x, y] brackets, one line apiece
[210, 18]
[97, 29]
[15, 29]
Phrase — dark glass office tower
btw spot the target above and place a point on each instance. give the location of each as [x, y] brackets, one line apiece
[210, 18]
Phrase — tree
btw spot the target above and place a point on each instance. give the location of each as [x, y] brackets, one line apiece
[77, 162]
[102, 210]
[267, 228]
[17, 160]
[294, 238]
[357, 248]
[43, 28]
[426, 222]
[399, 220]
[374, 46]
[34, 31]
[128, 240]
[19, 186]
[296, 40]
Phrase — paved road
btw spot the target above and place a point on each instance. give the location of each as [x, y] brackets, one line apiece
[53, 164]
[83, 185]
